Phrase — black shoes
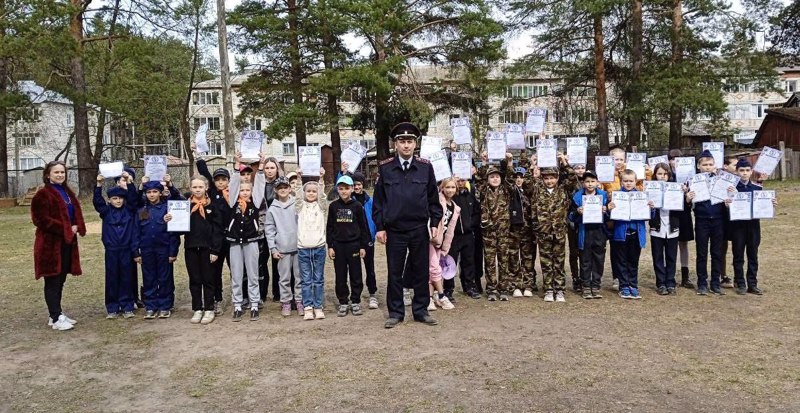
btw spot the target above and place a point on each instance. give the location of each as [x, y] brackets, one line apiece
[741, 290]
[474, 294]
[391, 322]
[662, 290]
[687, 284]
[717, 291]
[702, 291]
[253, 314]
[237, 315]
[755, 290]
[426, 320]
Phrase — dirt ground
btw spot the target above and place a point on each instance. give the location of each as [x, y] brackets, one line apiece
[659, 354]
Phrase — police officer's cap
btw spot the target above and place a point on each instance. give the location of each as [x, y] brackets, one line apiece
[405, 130]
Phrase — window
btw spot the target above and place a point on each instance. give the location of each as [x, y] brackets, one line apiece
[205, 98]
[513, 116]
[791, 86]
[30, 163]
[741, 112]
[288, 149]
[213, 123]
[483, 119]
[352, 95]
[453, 116]
[27, 138]
[582, 115]
[254, 124]
[525, 91]
[69, 119]
[215, 148]
[758, 110]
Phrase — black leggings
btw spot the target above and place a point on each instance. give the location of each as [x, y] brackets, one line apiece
[54, 284]
[201, 278]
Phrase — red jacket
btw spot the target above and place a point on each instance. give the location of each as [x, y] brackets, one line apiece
[53, 229]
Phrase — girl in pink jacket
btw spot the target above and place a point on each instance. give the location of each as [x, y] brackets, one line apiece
[440, 245]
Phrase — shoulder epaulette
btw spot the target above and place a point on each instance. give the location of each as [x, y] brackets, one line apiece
[387, 160]
[423, 160]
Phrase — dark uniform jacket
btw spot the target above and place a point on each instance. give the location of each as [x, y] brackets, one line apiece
[406, 200]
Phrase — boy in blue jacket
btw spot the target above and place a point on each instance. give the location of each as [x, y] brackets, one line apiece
[592, 238]
[120, 240]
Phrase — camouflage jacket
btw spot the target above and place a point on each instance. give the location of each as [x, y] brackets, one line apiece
[494, 201]
[549, 210]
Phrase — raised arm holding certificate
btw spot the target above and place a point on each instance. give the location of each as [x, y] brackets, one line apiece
[462, 131]
[310, 160]
[622, 206]
[635, 162]
[352, 155]
[592, 209]
[576, 150]
[655, 192]
[250, 146]
[684, 169]
[495, 145]
[441, 168]
[546, 153]
[768, 160]
[724, 181]
[462, 164]
[111, 169]
[155, 167]
[200, 138]
[515, 136]
[762, 204]
[640, 210]
[717, 150]
[604, 166]
[181, 212]
[699, 185]
[673, 196]
[741, 206]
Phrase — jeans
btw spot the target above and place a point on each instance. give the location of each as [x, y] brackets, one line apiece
[312, 275]
[627, 257]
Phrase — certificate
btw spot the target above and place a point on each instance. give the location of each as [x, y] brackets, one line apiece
[717, 149]
[719, 189]
[352, 155]
[592, 209]
[699, 185]
[310, 160]
[111, 169]
[684, 169]
[622, 206]
[495, 145]
[155, 167]
[535, 122]
[462, 131]
[655, 160]
[429, 145]
[200, 138]
[515, 136]
[673, 196]
[640, 210]
[181, 212]
[576, 150]
[655, 192]
[768, 160]
[741, 206]
[462, 164]
[635, 162]
[441, 168]
[762, 204]
[250, 145]
[546, 153]
[604, 166]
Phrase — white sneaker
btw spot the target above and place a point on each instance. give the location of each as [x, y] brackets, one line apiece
[62, 324]
[319, 314]
[308, 313]
[63, 317]
[407, 297]
[548, 296]
[197, 317]
[208, 317]
[432, 305]
[528, 293]
[560, 297]
[517, 293]
[615, 286]
[373, 302]
[446, 304]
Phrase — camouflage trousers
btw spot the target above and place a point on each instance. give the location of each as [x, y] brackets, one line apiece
[496, 244]
[521, 258]
[551, 256]
[574, 257]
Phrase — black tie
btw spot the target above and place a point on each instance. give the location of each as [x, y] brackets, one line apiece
[405, 165]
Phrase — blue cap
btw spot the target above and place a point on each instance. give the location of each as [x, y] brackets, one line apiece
[520, 170]
[706, 154]
[149, 185]
[344, 179]
[743, 163]
[116, 191]
[130, 171]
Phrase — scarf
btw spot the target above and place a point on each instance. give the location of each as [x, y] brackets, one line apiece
[242, 204]
[199, 205]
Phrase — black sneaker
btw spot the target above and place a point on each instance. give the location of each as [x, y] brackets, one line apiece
[662, 290]
[253, 314]
[717, 291]
[702, 291]
[587, 293]
[672, 291]
[149, 315]
[474, 294]
[237, 315]
[687, 284]
[740, 290]
[755, 290]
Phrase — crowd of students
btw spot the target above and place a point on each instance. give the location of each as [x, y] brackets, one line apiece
[493, 226]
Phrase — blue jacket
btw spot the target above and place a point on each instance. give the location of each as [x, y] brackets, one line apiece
[366, 201]
[621, 227]
[577, 200]
[119, 225]
[153, 230]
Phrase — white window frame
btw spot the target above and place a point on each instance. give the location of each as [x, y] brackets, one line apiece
[288, 148]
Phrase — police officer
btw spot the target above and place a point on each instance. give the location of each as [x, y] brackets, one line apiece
[406, 211]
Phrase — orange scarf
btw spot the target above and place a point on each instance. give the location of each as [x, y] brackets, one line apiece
[199, 205]
[242, 204]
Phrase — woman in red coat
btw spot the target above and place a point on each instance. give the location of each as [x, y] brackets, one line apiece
[56, 213]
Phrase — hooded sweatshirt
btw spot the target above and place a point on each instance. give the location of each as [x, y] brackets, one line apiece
[281, 228]
[311, 218]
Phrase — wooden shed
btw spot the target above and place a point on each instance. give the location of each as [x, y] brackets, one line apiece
[781, 124]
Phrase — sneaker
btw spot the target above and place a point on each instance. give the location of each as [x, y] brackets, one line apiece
[62, 324]
[625, 293]
[474, 294]
[702, 290]
[299, 305]
[596, 293]
[548, 296]
[208, 317]
[740, 290]
[503, 297]
[672, 291]
[286, 309]
[218, 309]
[237, 315]
[128, 314]
[615, 285]
[373, 302]
[432, 305]
[319, 314]
[587, 293]
[717, 291]
[254, 314]
[109, 316]
[560, 297]
[755, 291]
[308, 313]
[687, 284]
[517, 293]
[446, 304]
[197, 316]
[65, 318]
[726, 282]
[149, 315]
[577, 287]
[342, 310]
[356, 309]
[435, 299]
[406, 297]
[491, 297]
[527, 293]
[635, 293]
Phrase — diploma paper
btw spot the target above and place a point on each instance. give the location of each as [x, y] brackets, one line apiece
[640, 211]
[768, 160]
[699, 185]
[636, 162]
[673, 196]
[576, 150]
[535, 122]
[684, 169]
[495, 145]
[546, 153]
[717, 149]
[429, 145]
[655, 192]
[111, 169]
[741, 206]
[352, 155]
[155, 167]
[181, 212]
[592, 209]
[515, 136]
[441, 168]
[200, 138]
[462, 131]
[462, 164]
[762, 204]
[719, 189]
[604, 166]
[250, 146]
[310, 160]
[657, 160]
[622, 206]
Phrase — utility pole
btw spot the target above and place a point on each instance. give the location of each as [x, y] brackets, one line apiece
[225, 79]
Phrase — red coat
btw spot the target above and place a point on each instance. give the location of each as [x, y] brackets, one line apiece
[53, 229]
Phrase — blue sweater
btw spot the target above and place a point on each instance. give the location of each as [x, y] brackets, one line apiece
[120, 225]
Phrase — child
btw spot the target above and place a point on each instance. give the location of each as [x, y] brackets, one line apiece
[363, 197]
[311, 220]
[726, 282]
[440, 245]
[347, 236]
[591, 238]
[520, 256]
[629, 237]
[550, 201]
[664, 235]
[686, 231]
[120, 240]
[158, 250]
[243, 232]
[495, 224]
[572, 239]
[282, 242]
[202, 246]
[462, 249]
[746, 237]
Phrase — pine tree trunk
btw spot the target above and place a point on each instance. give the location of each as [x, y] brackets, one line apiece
[332, 104]
[184, 124]
[635, 95]
[600, 82]
[86, 164]
[99, 134]
[296, 71]
[676, 111]
[4, 187]
[382, 128]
